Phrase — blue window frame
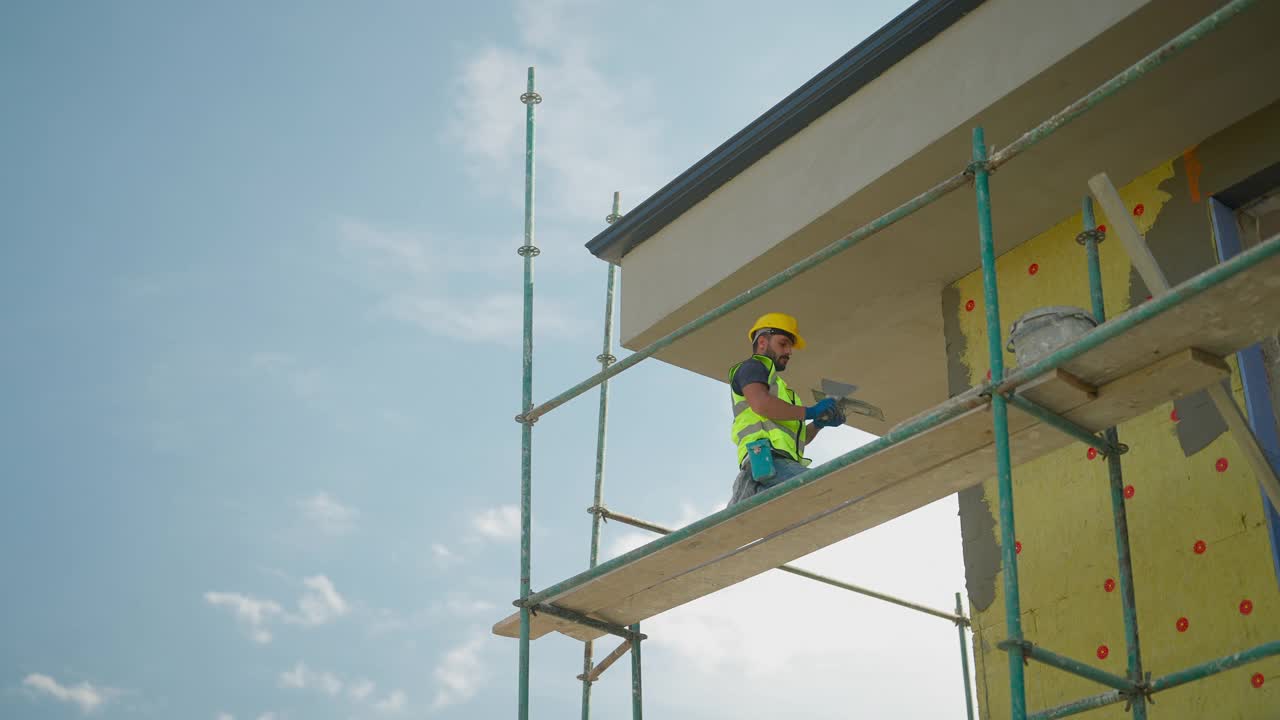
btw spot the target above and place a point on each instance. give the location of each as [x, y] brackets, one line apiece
[1253, 374]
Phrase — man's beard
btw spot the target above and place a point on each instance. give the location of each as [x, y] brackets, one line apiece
[779, 362]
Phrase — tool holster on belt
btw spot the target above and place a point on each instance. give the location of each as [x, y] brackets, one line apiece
[760, 454]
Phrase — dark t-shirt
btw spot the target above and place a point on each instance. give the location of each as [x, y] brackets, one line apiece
[751, 371]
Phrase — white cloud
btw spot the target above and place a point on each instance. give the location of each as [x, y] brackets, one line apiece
[321, 604]
[431, 288]
[360, 689]
[460, 674]
[496, 318]
[302, 677]
[595, 131]
[392, 703]
[499, 523]
[331, 516]
[597, 138]
[270, 361]
[360, 692]
[441, 613]
[463, 606]
[442, 557]
[295, 678]
[393, 250]
[83, 694]
[329, 683]
[224, 716]
[267, 716]
[248, 610]
[306, 383]
[486, 125]
[387, 621]
[415, 257]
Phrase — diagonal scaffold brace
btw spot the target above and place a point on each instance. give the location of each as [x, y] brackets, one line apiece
[593, 673]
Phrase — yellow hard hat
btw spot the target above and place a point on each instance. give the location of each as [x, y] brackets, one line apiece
[778, 321]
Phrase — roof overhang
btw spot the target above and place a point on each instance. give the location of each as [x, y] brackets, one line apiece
[872, 315]
[899, 38]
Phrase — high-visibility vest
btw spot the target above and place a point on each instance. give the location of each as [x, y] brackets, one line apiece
[786, 436]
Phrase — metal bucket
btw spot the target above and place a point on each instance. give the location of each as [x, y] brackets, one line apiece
[1043, 330]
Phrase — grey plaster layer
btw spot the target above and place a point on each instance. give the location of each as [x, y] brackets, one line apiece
[1181, 240]
[1271, 356]
[954, 340]
[980, 548]
[1198, 421]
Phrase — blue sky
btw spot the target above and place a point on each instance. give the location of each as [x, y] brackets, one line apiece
[261, 301]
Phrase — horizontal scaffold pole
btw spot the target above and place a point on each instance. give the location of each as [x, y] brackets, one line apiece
[1076, 707]
[1071, 665]
[1028, 139]
[941, 413]
[1182, 677]
[957, 618]
[577, 617]
[1213, 667]
[1055, 420]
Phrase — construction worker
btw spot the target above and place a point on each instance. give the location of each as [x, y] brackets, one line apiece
[769, 419]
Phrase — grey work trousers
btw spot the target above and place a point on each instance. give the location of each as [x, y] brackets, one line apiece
[744, 486]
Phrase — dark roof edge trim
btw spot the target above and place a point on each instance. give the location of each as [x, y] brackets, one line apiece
[900, 37]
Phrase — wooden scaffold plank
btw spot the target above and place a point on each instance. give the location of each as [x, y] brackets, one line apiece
[1164, 357]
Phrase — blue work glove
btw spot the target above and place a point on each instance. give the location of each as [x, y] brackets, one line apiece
[834, 420]
[825, 405]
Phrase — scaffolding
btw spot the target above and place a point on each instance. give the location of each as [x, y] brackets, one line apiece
[582, 605]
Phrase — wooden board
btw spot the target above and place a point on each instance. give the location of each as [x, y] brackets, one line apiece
[1029, 439]
[909, 458]
[1219, 321]
[1131, 373]
[1058, 389]
[912, 457]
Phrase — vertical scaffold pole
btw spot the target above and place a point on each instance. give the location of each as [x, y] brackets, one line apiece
[528, 251]
[1000, 418]
[964, 659]
[606, 359]
[1090, 238]
[637, 709]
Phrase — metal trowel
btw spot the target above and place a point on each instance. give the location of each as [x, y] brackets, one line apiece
[842, 393]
